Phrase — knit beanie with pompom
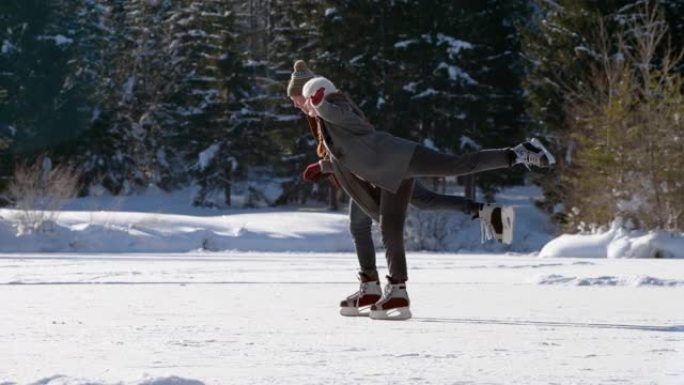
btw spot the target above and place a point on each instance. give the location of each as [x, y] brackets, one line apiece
[300, 75]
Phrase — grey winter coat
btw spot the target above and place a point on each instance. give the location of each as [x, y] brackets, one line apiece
[355, 145]
[366, 196]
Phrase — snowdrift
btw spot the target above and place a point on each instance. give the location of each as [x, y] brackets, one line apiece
[157, 222]
[127, 232]
[64, 380]
[617, 242]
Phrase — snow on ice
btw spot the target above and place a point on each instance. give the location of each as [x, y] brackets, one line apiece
[148, 290]
[272, 318]
[555, 279]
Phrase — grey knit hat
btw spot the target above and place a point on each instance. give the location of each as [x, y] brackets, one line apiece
[301, 75]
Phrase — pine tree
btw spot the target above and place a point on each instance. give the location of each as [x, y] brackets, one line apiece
[40, 103]
[104, 150]
[169, 90]
[6, 131]
[209, 82]
[118, 151]
[276, 33]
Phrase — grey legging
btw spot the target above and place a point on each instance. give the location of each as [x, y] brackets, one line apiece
[425, 199]
[428, 162]
[392, 217]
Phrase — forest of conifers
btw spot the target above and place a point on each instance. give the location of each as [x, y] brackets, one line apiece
[132, 93]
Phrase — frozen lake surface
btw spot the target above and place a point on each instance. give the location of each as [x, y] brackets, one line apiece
[272, 318]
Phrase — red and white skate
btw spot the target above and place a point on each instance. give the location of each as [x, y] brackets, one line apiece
[394, 304]
[359, 303]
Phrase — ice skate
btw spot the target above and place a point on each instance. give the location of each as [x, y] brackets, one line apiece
[359, 303]
[497, 222]
[394, 304]
[533, 153]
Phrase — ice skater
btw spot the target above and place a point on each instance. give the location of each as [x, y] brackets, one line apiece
[422, 197]
[377, 171]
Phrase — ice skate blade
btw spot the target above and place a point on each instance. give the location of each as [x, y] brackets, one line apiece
[355, 311]
[398, 314]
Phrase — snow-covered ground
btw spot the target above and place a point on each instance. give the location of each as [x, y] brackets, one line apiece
[271, 318]
[159, 222]
[147, 290]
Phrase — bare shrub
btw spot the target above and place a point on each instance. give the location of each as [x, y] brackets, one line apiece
[40, 191]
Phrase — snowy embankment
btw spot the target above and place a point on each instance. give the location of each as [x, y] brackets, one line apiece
[150, 291]
[129, 232]
[617, 242]
[157, 222]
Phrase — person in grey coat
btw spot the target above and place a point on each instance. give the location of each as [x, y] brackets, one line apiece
[377, 171]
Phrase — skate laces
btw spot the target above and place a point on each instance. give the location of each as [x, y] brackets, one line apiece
[526, 156]
[532, 152]
[358, 294]
[390, 291]
[387, 292]
[486, 230]
[363, 290]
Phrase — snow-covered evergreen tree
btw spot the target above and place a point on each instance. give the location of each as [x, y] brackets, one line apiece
[41, 105]
[103, 150]
[209, 82]
[276, 33]
[119, 151]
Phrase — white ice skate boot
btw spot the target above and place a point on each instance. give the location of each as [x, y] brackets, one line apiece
[394, 304]
[533, 153]
[497, 222]
[359, 303]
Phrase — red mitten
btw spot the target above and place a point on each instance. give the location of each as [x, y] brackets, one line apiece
[313, 172]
